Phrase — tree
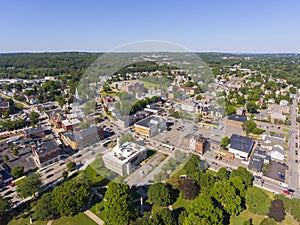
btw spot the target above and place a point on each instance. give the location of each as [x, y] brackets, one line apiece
[17, 171]
[239, 185]
[224, 142]
[70, 197]
[204, 180]
[277, 211]
[192, 165]
[230, 110]
[4, 206]
[31, 184]
[188, 189]
[251, 107]
[5, 158]
[244, 174]
[222, 174]
[164, 217]
[174, 181]
[126, 138]
[15, 152]
[203, 211]
[257, 201]
[71, 166]
[65, 174]
[118, 205]
[159, 194]
[45, 209]
[228, 197]
[34, 117]
[293, 90]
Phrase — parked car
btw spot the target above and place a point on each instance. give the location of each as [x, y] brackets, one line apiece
[286, 192]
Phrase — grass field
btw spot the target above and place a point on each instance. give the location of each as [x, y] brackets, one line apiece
[182, 203]
[25, 221]
[81, 218]
[94, 178]
[99, 210]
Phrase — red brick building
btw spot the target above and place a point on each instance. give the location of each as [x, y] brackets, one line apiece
[195, 143]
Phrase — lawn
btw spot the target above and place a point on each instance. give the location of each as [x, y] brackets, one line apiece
[149, 84]
[25, 221]
[98, 210]
[94, 178]
[245, 215]
[182, 203]
[81, 218]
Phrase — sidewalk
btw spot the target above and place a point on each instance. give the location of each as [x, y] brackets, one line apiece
[93, 217]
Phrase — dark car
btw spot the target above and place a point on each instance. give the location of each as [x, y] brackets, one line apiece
[50, 175]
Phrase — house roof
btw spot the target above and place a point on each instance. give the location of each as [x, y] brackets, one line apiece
[256, 163]
[149, 121]
[238, 118]
[241, 143]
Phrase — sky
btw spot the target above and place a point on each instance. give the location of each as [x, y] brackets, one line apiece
[249, 26]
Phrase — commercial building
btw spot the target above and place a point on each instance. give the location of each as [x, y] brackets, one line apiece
[236, 120]
[34, 133]
[258, 159]
[5, 177]
[132, 87]
[83, 138]
[70, 124]
[240, 146]
[195, 143]
[124, 159]
[47, 152]
[150, 126]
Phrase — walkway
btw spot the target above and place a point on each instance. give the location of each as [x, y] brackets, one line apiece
[50, 222]
[93, 217]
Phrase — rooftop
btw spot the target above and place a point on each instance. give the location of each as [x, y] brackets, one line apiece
[241, 143]
[238, 118]
[150, 121]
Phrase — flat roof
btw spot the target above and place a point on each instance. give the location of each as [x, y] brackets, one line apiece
[238, 118]
[148, 121]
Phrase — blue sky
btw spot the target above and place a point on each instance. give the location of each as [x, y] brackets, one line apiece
[211, 25]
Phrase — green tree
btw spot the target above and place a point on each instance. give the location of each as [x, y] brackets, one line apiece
[118, 205]
[15, 152]
[192, 165]
[30, 185]
[45, 209]
[126, 138]
[17, 171]
[257, 201]
[222, 174]
[159, 194]
[230, 110]
[4, 206]
[164, 217]
[227, 195]
[203, 211]
[65, 174]
[71, 166]
[70, 197]
[251, 107]
[239, 185]
[204, 180]
[34, 117]
[5, 158]
[224, 142]
[244, 174]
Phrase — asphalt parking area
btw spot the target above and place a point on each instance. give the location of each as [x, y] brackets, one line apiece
[274, 168]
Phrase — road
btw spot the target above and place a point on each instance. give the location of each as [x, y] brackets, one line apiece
[293, 172]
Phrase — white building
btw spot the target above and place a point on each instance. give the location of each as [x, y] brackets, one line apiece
[240, 146]
[277, 153]
[124, 159]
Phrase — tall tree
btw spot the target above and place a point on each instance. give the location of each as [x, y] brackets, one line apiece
[203, 211]
[188, 189]
[159, 194]
[193, 165]
[17, 171]
[222, 174]
[277, 211]
[164, 217]
[228, 197]
[244, 174]
[4, 206]
[70, 197]
[30, 185]
[118, 204]
[45, 209]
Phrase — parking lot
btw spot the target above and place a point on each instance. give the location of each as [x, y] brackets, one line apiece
[274, 169]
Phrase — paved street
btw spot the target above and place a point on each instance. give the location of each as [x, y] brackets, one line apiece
[293, 172]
